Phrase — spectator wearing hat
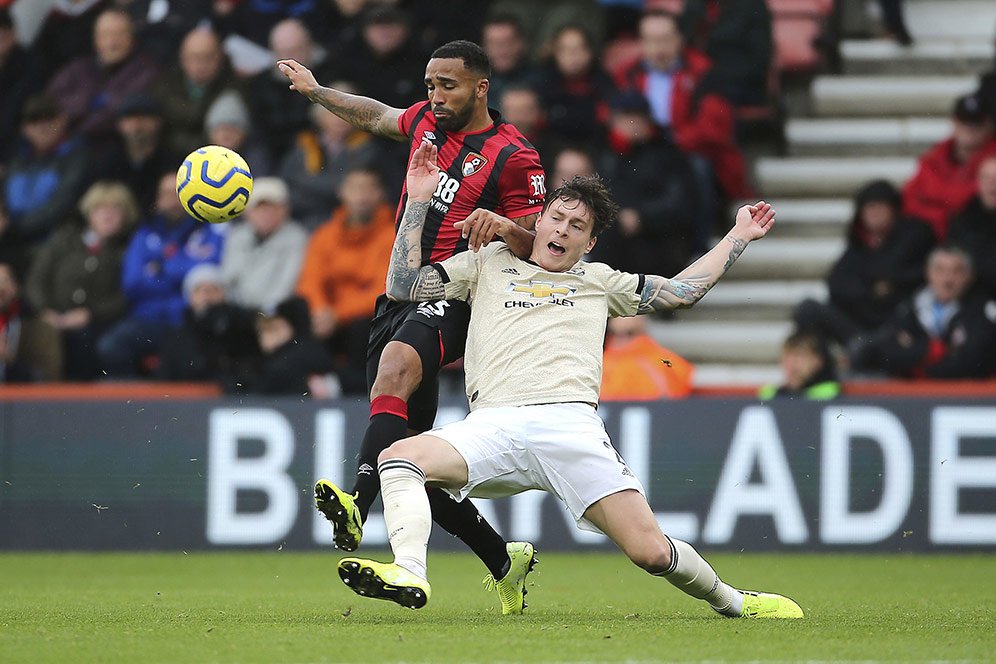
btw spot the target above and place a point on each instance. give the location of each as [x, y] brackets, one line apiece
[227, 124]
[19, 77]
[974, 228]
[75, 281]
[323, 154]
[292, 357]
[882, 265]
[279, 113]
[385, 61]
[654, 185]
[263, 253]
[138, 156]
[216, 340]
[344, 271]
[947, 175]
[187, 90]
[92, 87]
[46, 176]
[161, 253]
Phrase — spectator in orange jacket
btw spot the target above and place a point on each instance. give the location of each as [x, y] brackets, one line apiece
[344, 271]
[947, 176]
[636, 368]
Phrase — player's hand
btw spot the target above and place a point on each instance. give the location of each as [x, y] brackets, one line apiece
[300, 76]
[754, 221]
[423, 173]
[482, 226]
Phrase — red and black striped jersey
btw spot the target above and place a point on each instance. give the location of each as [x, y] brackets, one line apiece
[495, 169]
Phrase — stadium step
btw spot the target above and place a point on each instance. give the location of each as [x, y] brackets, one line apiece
[827, 176]
[787, 259]
[865, 136]
[951, 19]
[807, 217]
[717, 374]
[746, 342]
[888, 95]
[754, 299]
[925, 56]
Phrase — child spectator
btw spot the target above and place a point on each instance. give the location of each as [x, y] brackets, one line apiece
[291, 354]
[263, 254]
[808, 370]
[217, 339]
[75, 281]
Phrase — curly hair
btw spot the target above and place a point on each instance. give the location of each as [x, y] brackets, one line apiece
[592, 192]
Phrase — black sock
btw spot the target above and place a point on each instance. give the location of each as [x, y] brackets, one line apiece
[462, 520]
[388, 423]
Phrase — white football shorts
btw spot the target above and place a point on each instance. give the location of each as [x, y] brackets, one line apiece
[559, 448]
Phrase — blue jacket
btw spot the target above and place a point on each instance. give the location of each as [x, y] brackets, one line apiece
[158, 259]
[42, 190]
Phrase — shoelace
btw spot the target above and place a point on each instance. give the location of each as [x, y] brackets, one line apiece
[489, 582]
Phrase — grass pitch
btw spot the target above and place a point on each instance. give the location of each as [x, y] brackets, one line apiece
[287, 607]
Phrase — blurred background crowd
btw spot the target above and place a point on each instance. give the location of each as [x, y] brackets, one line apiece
[104, 277]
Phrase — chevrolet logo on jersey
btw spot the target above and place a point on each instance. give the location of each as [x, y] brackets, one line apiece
[540, 289]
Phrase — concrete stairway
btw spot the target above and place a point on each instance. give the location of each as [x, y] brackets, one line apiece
[872, 121]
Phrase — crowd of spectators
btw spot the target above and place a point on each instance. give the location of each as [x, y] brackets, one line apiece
[103, 276]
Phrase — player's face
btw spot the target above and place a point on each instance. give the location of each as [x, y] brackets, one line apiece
[454, 91]
[563, 235]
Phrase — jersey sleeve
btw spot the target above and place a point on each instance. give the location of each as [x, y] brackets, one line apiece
[622, 290]
[522, 185]
[461, 272]
[407, 119]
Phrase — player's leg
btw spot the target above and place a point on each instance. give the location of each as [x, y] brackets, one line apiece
[404, 469]
[626, 518]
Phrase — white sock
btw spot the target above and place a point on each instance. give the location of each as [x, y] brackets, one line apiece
[406, 513]
[691, 574]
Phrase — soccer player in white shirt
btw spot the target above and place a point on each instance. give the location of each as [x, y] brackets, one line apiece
[533, 365]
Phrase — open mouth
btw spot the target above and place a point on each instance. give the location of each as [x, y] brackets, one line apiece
[556, 249]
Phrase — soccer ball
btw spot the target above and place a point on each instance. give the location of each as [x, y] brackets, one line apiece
[214, 184]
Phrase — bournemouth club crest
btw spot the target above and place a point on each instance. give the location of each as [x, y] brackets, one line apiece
[473, 163]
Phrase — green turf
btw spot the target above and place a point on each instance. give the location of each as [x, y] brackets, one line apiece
[283, 607]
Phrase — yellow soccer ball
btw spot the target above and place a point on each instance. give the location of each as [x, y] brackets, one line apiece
[214, 184]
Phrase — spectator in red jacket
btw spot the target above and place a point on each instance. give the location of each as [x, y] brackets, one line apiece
[677, 83]
[947, 177]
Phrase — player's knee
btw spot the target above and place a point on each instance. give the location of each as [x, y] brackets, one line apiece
[399, 372]
[654, 557]
[401, 449]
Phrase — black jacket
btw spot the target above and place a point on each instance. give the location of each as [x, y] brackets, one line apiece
[974, 230]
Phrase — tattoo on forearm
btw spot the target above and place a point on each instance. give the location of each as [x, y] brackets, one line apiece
[407, 279]
[660, 294]
[738, 248]
[361, 112]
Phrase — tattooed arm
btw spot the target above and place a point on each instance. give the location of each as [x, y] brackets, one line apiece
[407, 279]
[688, 286]
[361, 112]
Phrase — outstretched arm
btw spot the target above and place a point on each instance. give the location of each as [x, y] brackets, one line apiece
[361, 112]
[407, 279]
[688, 286]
